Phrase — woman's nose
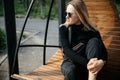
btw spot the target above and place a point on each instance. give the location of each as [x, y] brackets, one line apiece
[67, 17]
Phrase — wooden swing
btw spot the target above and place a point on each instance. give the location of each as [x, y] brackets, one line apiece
[104, 14]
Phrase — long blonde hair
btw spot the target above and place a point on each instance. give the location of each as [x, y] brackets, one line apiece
[81, 10]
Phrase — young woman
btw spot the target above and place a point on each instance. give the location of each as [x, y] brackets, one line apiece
[84, 51]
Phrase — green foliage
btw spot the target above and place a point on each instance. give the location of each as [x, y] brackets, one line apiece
[19, 7]
[118, 7]
[2, 40]
[1, 8]
[40, 8]
[54, 12]
[117, 2]
[24, 36]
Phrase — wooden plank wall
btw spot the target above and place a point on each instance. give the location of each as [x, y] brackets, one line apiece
[104, 14]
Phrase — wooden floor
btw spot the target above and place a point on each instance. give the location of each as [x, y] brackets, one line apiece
[50, 71]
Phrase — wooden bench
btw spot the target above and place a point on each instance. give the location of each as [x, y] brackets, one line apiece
[50, 71]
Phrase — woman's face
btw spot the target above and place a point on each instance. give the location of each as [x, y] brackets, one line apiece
[71, 16]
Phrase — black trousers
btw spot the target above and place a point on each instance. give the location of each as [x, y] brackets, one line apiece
[72, 71]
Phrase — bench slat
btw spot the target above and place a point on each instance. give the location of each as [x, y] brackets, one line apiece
[50, 71]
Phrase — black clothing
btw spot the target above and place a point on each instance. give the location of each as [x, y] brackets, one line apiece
[79, 35]
[73, 72]
[93, 47]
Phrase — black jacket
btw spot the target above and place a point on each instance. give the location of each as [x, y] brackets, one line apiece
[78, 34]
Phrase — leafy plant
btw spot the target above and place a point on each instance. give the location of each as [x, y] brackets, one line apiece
[118, 7]
[117, 2]
[40, 8]
[1, 8]
[2, 40]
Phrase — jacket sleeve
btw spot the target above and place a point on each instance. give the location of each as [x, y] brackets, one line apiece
[68, 50]
[104, 50]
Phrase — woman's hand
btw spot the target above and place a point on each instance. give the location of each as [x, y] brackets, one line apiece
[95, 65]
[67, 23]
